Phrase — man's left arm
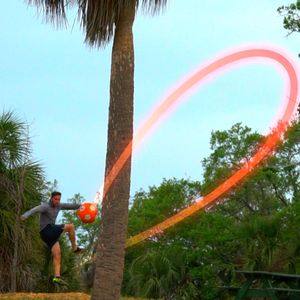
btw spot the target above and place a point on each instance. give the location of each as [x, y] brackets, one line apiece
[69, 206]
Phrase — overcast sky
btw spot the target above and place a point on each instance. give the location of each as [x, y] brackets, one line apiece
[60, 86]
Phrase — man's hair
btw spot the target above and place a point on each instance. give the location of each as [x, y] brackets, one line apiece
[55, 193]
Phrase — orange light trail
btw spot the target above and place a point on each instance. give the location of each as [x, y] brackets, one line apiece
[176, 96]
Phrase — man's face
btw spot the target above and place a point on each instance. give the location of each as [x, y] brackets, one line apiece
[56, 200]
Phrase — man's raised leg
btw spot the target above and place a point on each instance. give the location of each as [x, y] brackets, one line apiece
[70, 229]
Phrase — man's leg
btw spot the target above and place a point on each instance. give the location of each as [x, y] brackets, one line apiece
[56, 258]
[70, 229]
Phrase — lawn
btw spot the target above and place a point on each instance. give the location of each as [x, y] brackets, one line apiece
[52, 296]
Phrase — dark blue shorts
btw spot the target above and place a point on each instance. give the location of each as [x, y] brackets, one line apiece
[51, 233]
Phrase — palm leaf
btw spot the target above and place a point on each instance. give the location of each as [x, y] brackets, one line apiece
[97, 17]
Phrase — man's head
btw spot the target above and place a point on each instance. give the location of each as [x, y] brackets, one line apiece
[55, 198]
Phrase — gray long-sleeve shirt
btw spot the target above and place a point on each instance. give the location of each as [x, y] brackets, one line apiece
[48, 212]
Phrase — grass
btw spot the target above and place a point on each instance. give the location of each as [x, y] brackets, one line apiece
[52, 296]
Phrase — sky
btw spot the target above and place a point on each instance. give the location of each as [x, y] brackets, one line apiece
[60, 87]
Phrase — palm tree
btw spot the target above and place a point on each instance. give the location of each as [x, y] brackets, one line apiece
[102, 20]
[20, 183]
[153, 275]
[162, 272]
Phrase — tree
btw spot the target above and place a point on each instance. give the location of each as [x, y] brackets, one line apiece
[272, 185]
[154, 206]
[21, 181]
[103, 20]
[291, 14]
[291, 20]
[183, 262]
[254, 226]
[162, 273]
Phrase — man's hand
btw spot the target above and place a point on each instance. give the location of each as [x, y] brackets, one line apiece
[22, 218]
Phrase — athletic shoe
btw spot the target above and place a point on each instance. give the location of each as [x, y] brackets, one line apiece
[58, 280]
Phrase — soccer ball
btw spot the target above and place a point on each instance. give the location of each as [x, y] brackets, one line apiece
[87, 212]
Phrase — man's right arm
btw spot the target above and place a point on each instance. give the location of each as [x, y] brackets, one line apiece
[37, 209]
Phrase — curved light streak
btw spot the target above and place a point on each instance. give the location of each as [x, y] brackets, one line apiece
[176, 96]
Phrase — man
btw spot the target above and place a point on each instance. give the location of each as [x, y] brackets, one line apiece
[50, 232]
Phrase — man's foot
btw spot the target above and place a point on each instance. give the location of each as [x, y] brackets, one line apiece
[78, 250]
[58, 280]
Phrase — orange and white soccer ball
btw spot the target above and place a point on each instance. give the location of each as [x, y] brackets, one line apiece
[87, 212]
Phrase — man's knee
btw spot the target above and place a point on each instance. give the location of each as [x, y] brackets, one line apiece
[56, 250]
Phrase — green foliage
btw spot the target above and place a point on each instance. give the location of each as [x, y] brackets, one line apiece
[230, 149]
[291, 14]
[271, 186]
[69, 270]
[14, 147]
[163, 273]
[25, 261]
[21, 182]
[291, 17]
[160, 202]
[254, 226]
[170, 265]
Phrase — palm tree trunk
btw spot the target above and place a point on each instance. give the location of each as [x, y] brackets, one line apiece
[14, 265]
[111, 246]
[18, 200]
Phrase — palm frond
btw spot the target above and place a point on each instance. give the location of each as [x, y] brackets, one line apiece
[54, 10]
[152, 6]
[97, 17]
[14, 146]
